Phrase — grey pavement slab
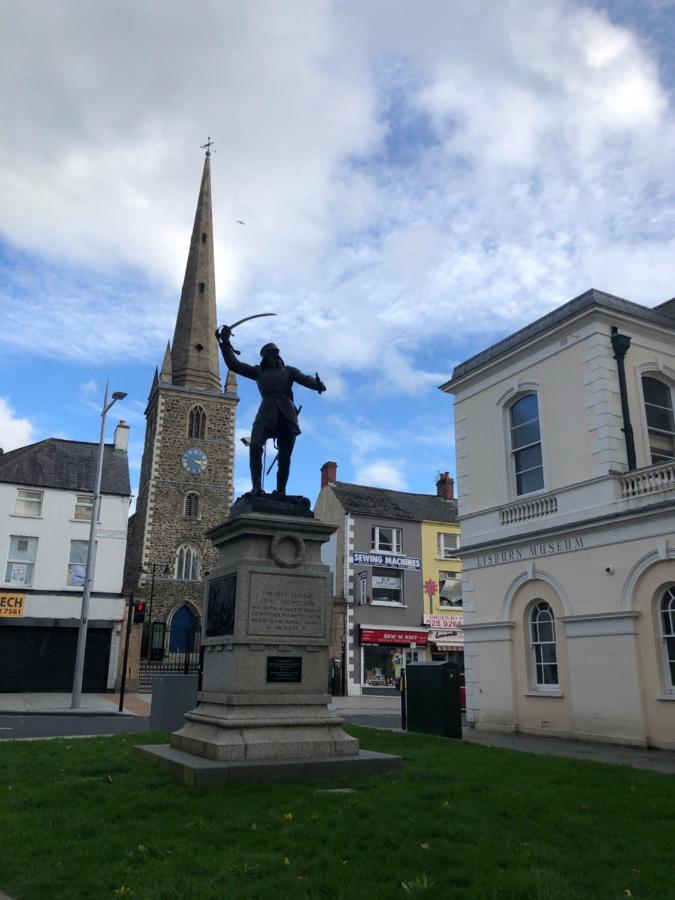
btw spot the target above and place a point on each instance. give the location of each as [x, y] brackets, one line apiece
[639, 758]
[59, 704]
[200, 772]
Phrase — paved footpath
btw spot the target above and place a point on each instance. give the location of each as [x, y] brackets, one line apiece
[59, 704]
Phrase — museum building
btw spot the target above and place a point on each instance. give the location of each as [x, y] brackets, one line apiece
[565, 443]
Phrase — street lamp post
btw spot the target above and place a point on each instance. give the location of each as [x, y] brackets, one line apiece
[91, 556]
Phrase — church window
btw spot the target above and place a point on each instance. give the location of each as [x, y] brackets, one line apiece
[192, 505]
[197, 422]
[544, 652]
[201, 287]
[667, 610]
[526, 445]
[203, 237]
[187, 563]
[660, 421]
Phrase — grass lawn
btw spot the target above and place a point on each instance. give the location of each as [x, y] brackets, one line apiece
[88, 818]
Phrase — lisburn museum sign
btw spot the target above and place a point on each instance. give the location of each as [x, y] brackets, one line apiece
[530, 551]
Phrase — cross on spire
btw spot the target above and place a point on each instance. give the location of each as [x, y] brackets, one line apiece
[207, 146]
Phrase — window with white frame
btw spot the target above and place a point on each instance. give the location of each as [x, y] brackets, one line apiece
[660, 421]
[385, 540]
[387, 585]
[187, 563]
[192, 505]
[450, 589]
[446, 544]
[528, 466]
[21, 560]
[544, 651]
[197, 422]
[77, 563]
[667, 610]
[84, 506]
[28, 503]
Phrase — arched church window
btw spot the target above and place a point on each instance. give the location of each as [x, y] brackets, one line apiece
[667, 610]
[660, 422]
[192, 505]
[187, 563]
[197, 422]
[544, 652]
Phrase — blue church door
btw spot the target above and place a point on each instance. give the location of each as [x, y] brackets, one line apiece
[183, 628]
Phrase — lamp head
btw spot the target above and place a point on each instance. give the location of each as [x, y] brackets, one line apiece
[118, 395]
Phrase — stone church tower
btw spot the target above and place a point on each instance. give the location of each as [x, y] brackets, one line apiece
[188, 458]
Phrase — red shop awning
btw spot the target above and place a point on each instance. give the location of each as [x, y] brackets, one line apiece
[402, 637]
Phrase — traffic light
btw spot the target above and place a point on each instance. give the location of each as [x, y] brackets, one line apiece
[139, 612]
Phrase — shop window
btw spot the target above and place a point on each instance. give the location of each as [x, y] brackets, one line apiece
[667, 610]
[660, 422]
[187, 564]
[387, 586]
[28, 503]
[21, 560]
[382, 666]
[84, 505]
[77, 563]
[450, 589]
[192, 505]
[544, 652]
[526, 445]
[197, 422]
[385, 540]
[446, 545]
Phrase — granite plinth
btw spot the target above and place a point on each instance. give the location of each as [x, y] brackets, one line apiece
[290, 505]
[200, 772]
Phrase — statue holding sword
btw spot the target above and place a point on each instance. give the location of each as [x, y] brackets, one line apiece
[277, 416]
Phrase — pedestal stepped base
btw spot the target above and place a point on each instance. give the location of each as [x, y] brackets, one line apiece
[263, 702]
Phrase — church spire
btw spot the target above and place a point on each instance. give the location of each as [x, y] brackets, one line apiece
[194, 351]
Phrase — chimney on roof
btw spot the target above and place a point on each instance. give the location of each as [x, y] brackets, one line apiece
[667, 308]
[445, 486]
[328, 473]
[122, 436]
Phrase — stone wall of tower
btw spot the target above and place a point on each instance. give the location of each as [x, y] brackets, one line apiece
[166, 527]
[136, 530]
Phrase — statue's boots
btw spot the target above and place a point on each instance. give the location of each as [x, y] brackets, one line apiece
[283, 470]
[256, 464]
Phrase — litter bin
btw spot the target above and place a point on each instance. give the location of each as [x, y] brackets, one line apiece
[433, 703]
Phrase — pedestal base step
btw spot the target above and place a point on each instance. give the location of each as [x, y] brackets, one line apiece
[201, 772]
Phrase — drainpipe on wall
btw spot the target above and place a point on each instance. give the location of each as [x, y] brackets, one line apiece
[620, 345]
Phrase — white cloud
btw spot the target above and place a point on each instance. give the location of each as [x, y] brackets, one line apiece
[16, 432]
[385, 473]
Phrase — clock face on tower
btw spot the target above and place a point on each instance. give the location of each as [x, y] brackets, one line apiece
[195, 461]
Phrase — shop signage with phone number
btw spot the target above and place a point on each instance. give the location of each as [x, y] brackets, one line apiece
[12, 606]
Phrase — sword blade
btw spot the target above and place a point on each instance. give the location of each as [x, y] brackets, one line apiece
[248, 318]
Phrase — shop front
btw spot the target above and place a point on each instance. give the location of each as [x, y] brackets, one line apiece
[384, 654]
[446, 638]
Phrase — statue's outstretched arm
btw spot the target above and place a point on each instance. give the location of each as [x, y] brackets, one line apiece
[231, 360]
[313, 382]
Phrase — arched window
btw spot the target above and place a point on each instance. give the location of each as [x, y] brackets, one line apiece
[526, 445]
[187, 563]
[544, 653]
[667, 610]
[660, 423]
[197, 422]
[192, 505]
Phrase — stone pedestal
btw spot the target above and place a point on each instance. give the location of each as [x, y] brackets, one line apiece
[266, 666]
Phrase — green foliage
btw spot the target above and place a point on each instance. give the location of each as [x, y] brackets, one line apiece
[91, 819]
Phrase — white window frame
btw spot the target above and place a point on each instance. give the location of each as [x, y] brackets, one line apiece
[443, 552]
[70, 571]
[188, 560]
[84, 501]
[513, 451]
[454, 577]
[540, 686]
[37, 500]
[387, 573]
[667, 383]
[666, 615]
[30, 563]
[396, 539]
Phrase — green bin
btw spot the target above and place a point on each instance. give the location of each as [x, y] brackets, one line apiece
[433, 704]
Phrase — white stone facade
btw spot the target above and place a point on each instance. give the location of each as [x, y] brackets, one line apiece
[594, 547]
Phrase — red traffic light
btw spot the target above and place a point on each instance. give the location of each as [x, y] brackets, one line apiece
[139, 612]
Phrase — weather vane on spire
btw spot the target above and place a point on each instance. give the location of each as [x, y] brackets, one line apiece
[207, 146]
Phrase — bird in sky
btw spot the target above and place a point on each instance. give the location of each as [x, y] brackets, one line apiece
[239, 222]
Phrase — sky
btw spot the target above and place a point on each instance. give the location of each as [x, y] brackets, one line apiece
[418, 180]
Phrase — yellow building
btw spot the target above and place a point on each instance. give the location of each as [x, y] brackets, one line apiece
[441, 570]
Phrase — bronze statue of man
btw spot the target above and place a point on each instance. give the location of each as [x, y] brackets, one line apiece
[277, 415]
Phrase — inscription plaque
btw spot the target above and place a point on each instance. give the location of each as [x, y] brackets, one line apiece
[286, 606]
[220, 609]
[284, 669]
